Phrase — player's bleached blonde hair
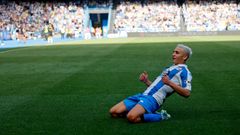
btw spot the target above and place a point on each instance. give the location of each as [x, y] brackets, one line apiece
[187, 49]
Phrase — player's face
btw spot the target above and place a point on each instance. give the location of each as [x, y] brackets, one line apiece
[179, 56]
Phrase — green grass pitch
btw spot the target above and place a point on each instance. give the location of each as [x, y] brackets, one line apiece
[68, 89]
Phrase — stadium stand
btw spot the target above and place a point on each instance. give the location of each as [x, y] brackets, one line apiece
[154, 17]
[211, 16]
[33, 18]
[71, 19]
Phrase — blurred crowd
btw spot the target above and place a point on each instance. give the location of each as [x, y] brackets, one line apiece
[165, 16]
[35, 19]
[153, 17]
[31, 20]
[212, 16]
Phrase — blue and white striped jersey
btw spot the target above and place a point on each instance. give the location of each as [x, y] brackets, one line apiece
[179, 74]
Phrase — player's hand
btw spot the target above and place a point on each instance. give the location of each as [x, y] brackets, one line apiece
[165, 79]
[143, 77]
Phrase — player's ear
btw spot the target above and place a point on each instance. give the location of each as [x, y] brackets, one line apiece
[185, 57]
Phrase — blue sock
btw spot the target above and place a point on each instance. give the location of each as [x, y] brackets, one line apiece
[152, 117]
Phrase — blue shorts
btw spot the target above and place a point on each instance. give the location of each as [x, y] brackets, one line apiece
[147, 102]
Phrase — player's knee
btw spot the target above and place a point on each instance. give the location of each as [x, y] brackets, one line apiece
[113, 112]
[132, 118]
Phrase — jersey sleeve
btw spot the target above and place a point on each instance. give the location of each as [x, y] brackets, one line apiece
[186, 79]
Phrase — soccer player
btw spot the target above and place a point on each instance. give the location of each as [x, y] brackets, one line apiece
[143, 107]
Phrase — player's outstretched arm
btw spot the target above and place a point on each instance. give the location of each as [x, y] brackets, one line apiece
[181, 91]
[144, 78]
